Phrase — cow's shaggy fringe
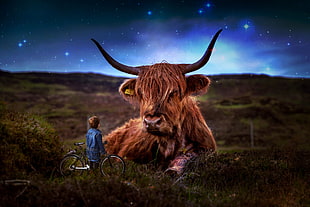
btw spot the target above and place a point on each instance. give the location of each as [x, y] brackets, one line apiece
[162, 76]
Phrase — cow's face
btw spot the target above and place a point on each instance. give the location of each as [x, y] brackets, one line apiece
[161, 91]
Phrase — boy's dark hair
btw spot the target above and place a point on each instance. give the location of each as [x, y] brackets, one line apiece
[93, 122]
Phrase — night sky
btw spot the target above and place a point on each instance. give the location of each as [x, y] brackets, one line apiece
[262, 37]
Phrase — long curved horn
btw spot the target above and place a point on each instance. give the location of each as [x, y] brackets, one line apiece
[205, 58]
[115, 64]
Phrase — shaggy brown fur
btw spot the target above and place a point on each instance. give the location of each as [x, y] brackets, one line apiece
[163, 93]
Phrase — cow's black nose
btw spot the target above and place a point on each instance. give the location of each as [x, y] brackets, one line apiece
[152, 123]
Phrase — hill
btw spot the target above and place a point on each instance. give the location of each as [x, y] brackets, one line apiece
[278, 175]
[277, 108]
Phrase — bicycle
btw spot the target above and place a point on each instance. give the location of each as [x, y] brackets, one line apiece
[76, 161]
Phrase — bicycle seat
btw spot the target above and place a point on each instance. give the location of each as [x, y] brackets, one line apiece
[79, 143]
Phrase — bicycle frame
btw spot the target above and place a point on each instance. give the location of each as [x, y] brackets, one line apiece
[82, 168]
[76, 160]
[80, 154]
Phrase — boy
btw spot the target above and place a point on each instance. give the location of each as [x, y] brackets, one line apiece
[94, 142]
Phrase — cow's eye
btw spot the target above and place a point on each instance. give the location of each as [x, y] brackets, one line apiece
[140, 94]
[172, 95]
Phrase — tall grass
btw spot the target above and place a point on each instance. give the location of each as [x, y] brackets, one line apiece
[27, 144]
[250, 178]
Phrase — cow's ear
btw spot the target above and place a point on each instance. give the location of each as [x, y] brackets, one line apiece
[127, 89]
[197, 84]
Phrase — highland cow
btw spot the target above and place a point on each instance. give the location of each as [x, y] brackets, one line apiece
[171, 129]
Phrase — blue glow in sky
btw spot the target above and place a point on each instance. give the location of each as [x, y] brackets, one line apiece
[54, 36]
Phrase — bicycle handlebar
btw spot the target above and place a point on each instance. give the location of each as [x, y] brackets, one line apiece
[81, 143]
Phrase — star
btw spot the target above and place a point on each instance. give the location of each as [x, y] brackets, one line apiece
[149, 12]
[200, 11]
[67, 54]
[23, 43]
[208, 5]
[246, 26]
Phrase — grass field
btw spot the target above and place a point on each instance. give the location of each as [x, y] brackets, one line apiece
[273, 172]
[246, 178]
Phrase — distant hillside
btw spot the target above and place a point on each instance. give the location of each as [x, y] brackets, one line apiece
[277, 107]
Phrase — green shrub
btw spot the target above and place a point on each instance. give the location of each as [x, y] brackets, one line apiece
[27, 144]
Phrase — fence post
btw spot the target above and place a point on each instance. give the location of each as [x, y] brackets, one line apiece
[252, 133]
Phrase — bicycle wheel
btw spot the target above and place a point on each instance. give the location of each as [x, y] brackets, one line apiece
[68, 165]
[112, 165]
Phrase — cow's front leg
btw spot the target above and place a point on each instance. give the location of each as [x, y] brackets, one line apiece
[177, 165]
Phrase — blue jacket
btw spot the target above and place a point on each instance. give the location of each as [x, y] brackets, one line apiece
[94, 146]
